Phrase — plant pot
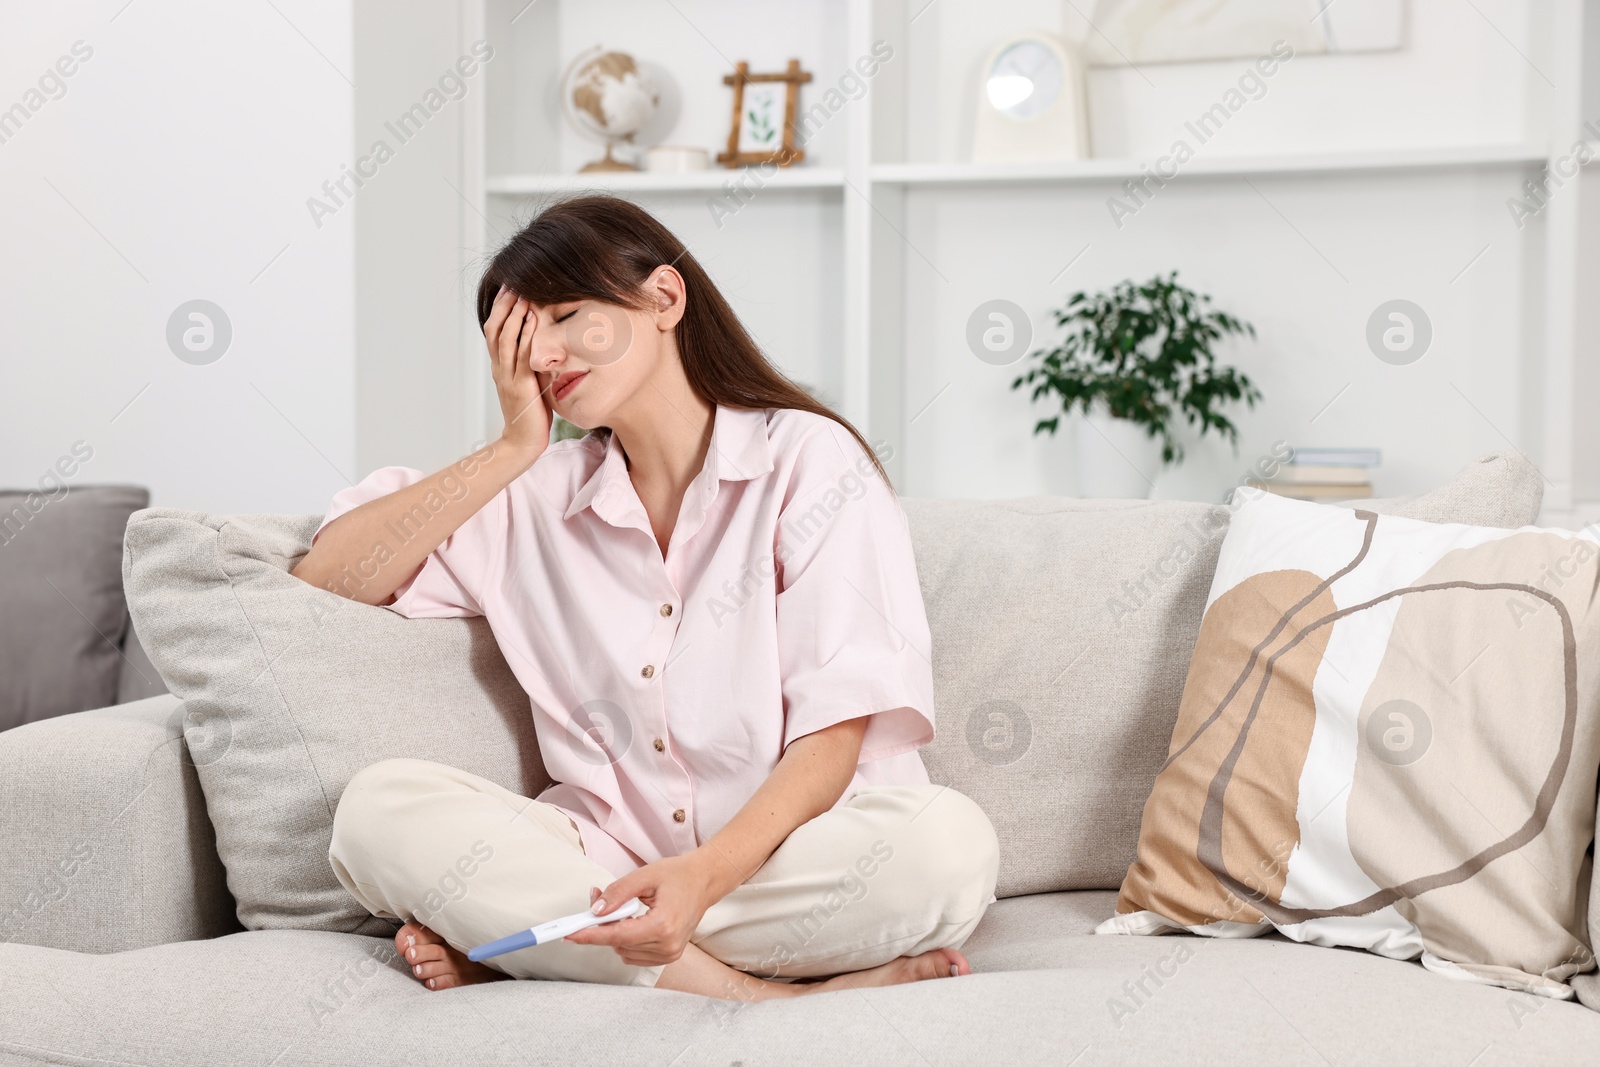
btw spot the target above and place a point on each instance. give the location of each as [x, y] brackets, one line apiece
[1116, 458]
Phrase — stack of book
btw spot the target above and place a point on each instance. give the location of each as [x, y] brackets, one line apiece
[1326, 474]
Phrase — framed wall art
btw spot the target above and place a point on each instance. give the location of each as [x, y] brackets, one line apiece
[764, 111]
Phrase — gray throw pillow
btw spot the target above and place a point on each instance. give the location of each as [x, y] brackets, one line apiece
[289, 690]
[1062, 631]
[64, 617]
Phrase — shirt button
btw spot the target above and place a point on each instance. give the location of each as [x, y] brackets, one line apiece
[648, 671]
[660, 747]
[678, 816]
[666, 609]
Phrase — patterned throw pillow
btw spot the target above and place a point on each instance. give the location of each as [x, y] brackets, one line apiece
[1388, 740]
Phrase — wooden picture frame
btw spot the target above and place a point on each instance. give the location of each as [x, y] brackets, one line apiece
[745, 139]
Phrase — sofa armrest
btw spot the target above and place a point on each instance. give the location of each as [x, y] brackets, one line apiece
[104, 840]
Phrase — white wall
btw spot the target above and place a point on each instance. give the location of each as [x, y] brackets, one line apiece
[193, 137]
[176, 167]
[1586, 428]
[1456, 81]
[415, 274]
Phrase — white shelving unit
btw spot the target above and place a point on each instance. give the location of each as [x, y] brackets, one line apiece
[642, 182]
[881, 177]
[928, 175]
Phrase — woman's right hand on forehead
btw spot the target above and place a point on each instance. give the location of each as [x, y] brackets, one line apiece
[509, 334]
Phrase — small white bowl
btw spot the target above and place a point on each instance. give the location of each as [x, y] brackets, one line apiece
[676, 159]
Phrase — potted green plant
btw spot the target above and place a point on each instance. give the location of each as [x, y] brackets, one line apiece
[1138, 362]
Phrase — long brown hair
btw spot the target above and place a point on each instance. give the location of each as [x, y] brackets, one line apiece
[599, 247]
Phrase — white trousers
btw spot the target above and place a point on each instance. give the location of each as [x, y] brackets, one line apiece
[893, 871]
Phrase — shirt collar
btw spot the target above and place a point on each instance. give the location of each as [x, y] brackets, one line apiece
[740, 451]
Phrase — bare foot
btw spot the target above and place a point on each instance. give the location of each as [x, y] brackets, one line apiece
[936, 963]
[435, 964]
[940, 963]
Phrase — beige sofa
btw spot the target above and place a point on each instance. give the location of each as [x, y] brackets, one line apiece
[137, 842]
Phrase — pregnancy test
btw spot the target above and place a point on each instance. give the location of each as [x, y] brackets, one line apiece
[555, 930]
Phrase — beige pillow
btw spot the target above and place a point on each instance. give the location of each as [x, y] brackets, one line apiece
[1061, 638]
[290, 690]
[1503, 489]
[1388, 740]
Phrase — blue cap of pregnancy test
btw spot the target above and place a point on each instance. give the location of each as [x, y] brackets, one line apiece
[520, 939]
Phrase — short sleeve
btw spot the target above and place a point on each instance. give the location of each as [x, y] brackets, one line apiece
[852, 631]
[452, 579]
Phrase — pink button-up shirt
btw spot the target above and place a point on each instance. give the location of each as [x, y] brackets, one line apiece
[664, 690]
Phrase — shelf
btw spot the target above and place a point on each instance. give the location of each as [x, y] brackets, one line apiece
[841, 239]
[698, 181]
[980, 174]
[1087, 170]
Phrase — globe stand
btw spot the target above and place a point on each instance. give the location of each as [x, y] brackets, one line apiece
[607, 163]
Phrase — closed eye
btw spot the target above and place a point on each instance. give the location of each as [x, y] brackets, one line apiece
[568, 315]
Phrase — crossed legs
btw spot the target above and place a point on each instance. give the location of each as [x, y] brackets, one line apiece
[882, 889]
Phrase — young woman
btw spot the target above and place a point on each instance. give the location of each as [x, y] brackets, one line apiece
[712, 603]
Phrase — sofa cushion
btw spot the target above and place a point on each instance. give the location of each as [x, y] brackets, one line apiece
[61, 586]
[1062, 631]
[1365, 691]
[290, 690]
[1022, 933]
[1037, 996]
[1061, 635]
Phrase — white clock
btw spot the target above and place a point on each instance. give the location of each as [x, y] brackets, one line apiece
[1031, 102]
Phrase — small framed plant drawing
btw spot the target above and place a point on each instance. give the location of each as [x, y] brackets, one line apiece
[764, 111]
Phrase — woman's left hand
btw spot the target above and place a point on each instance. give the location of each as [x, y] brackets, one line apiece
[677, 890]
